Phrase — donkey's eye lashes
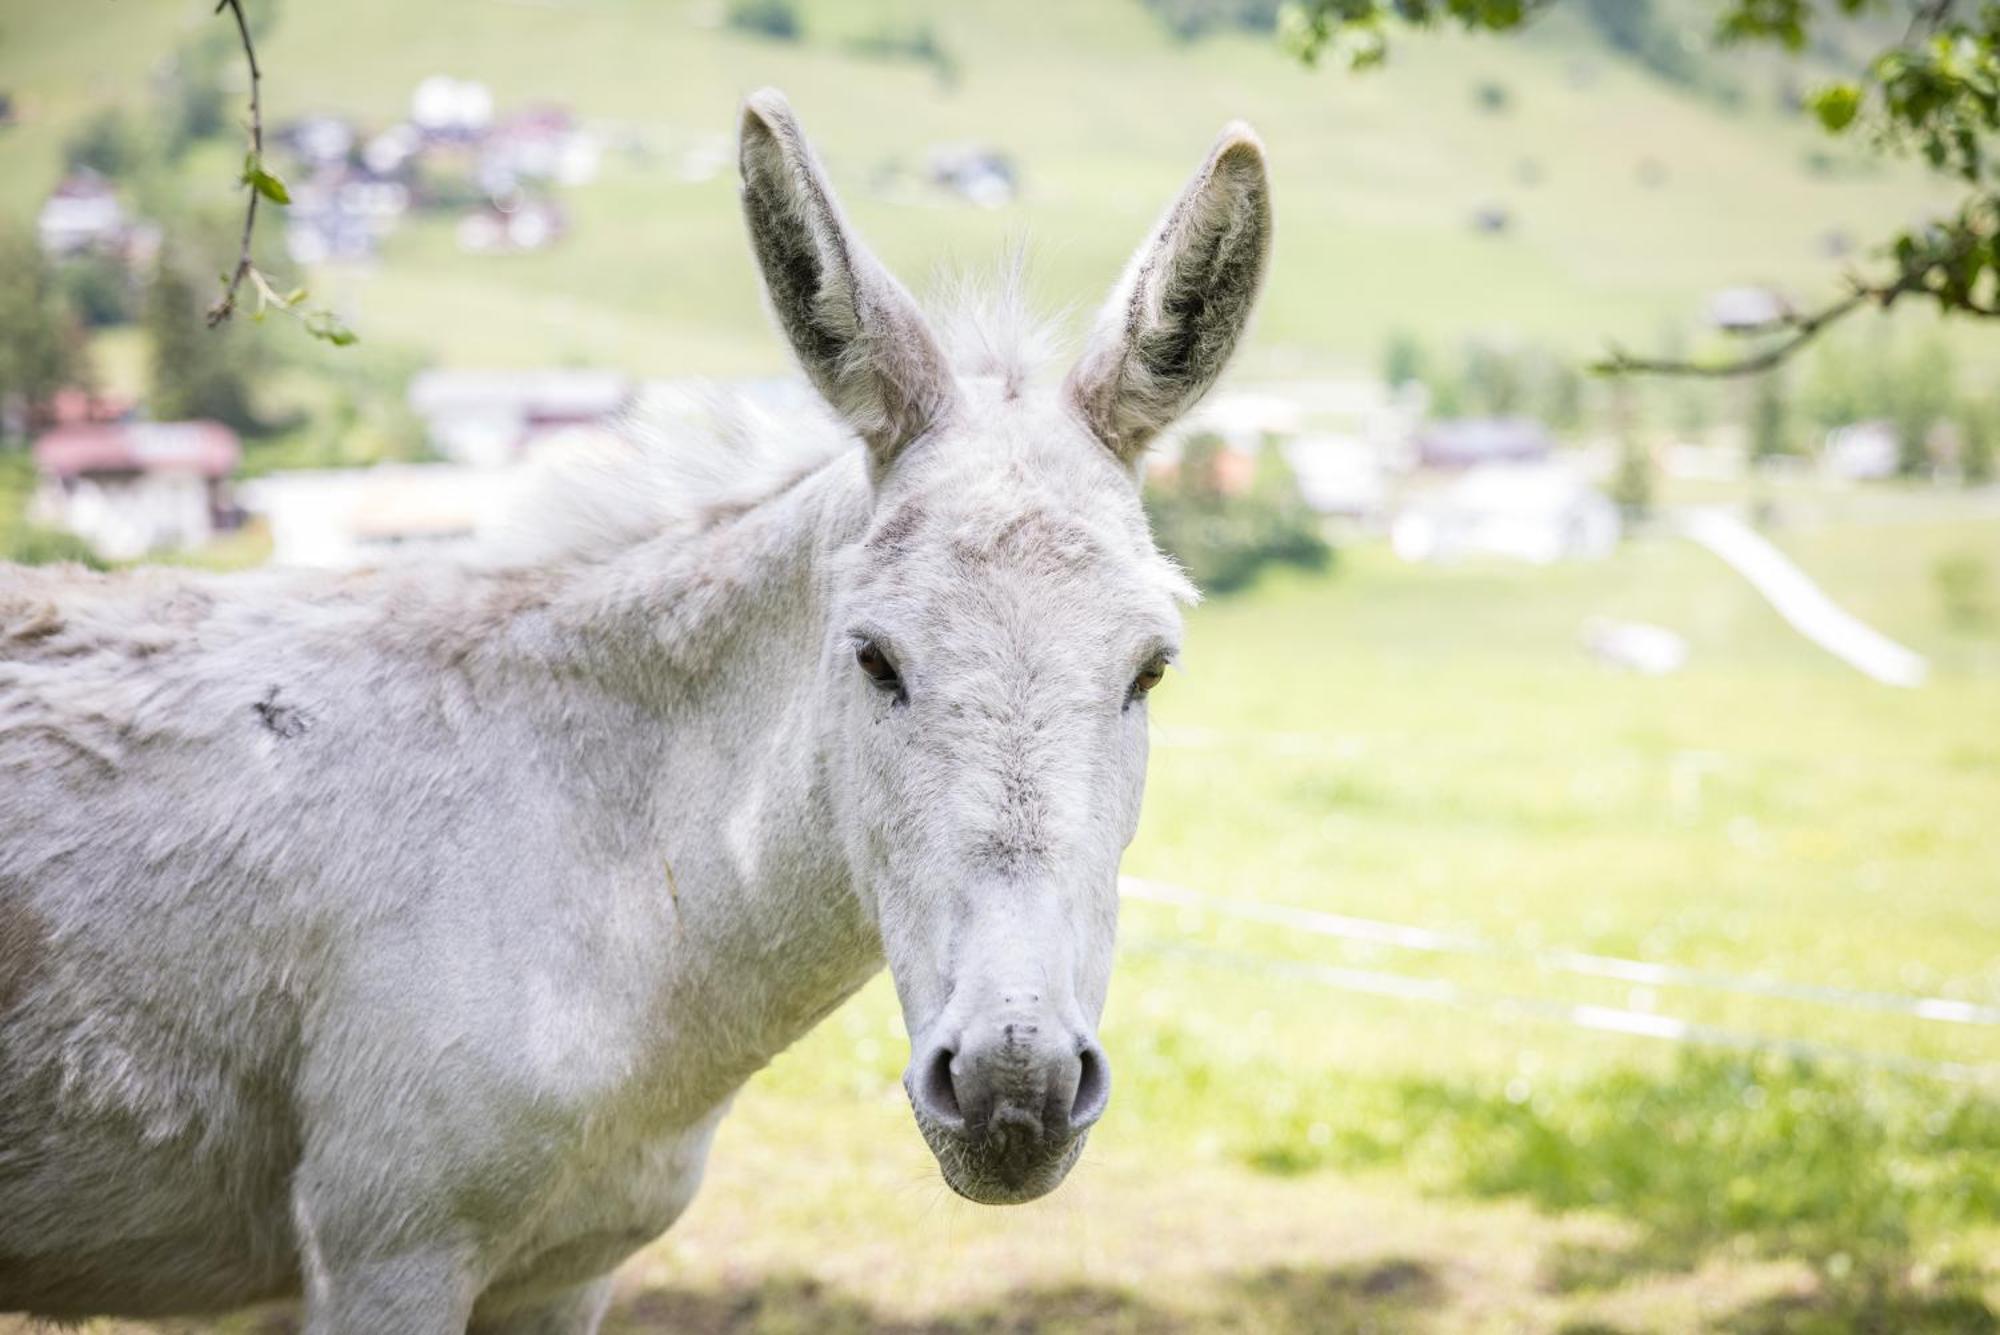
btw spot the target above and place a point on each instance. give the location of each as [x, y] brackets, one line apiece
[869, 656]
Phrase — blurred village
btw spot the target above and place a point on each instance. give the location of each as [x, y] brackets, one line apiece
[1482, 451]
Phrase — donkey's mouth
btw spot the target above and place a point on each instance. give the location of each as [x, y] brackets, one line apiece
[1003, 1163]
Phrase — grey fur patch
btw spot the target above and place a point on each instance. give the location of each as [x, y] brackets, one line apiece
[281, 720]
[23, 945]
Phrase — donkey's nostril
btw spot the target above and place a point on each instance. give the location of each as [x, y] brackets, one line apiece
[1093, 1088]
[936, 1094]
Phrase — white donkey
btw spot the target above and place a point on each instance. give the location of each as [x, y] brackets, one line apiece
[396, 940]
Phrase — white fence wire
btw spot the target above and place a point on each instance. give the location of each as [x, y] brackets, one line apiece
[1603, 1019]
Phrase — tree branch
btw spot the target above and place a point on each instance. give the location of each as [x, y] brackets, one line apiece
[1800, 330]
[224, 308]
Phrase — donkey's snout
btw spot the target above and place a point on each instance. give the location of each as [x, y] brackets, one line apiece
[1013, 1084]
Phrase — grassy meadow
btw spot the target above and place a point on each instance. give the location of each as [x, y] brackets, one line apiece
[1434, 747]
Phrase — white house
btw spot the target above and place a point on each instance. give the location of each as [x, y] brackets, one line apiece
[489, 418]
[1862, 452]
[131, 488]
[343, 518]
[82, 213]
[1529, 512]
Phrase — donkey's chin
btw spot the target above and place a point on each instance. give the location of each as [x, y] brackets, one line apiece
[998, 1169]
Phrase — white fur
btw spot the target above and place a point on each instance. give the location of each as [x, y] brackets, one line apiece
[396, 940]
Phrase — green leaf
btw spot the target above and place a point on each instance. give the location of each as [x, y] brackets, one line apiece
[263, 182]
[326, 325]
[1836, 105]
[270, 187]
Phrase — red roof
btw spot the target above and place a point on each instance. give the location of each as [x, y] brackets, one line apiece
[207, 448]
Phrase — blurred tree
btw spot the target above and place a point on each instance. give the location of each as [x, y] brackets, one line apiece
[1976, 464]
[1921, 396]
[1837, 386]
[1490, 97]
[1770, 420]
[777, 20]
[1560, 392]
[41, 343]
[1691, 411]
[98, 289]
[1965, 588]
[1191, 19]
[1495, 381]
[1932, 92]
[1402, 358]
[1224, 537]
[112, 142]
[194, 103]
[1632, 480]
[194, 374]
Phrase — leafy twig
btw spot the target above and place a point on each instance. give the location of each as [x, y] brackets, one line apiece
[262, 184]
[245, 266]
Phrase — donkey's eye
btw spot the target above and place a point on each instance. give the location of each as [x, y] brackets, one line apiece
[1149, 676]
[878, 667]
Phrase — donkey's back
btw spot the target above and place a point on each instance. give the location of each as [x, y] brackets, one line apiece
[208, 788]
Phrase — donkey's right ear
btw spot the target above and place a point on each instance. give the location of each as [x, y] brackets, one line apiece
[857, 333]
[1176, 315]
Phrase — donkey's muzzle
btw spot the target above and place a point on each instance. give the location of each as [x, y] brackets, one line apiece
[1011, 1099]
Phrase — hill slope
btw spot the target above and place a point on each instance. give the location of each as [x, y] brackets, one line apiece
[1627, 198]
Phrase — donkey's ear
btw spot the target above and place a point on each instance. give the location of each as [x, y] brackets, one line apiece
[1175, 316]
[857, 333]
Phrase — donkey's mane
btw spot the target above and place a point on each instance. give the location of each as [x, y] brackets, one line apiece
[685, 455]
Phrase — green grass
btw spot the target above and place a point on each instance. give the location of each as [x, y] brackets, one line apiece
[1433, 746]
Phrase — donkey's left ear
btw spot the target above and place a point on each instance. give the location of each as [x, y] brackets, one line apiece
[1176, 315]
[859, 336]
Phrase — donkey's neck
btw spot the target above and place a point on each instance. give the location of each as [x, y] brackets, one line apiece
[700, 659]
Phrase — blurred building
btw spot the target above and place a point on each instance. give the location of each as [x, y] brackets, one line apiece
[540, 144]
[344, 518]
[1539, 512]
[131, 488]
[342, 212]
[1344, 439]
[492, 418]
[1741, 309]
[975, 173]
[1468, 442]
[515, 224]
[446, 108]
[82, 215]
[1862, 452]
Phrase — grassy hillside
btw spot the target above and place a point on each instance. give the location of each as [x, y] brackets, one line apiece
[1630, 199]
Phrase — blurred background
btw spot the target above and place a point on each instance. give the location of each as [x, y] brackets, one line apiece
[1568, 896]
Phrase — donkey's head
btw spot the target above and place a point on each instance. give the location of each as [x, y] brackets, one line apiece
[995, 633]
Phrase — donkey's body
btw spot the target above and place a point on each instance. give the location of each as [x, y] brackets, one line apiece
[448, 906]
[398, 939]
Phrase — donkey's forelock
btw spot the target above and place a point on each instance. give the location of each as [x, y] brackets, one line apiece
[683, 456]
[991, 330]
